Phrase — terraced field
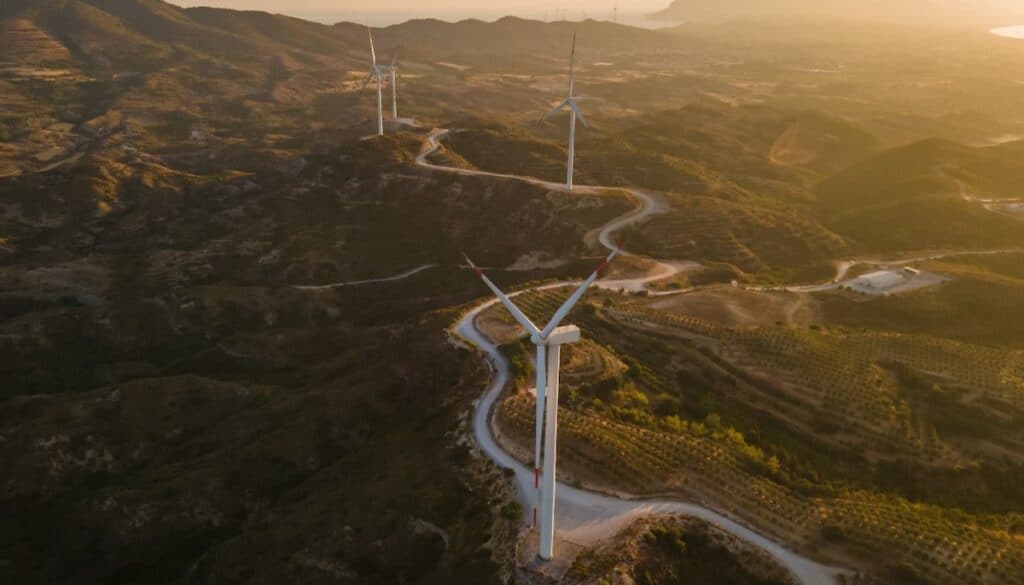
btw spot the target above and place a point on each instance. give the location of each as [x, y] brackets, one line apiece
[749, 237]
[860, 378]
[718, 468]
[538, 304]
[885, 396]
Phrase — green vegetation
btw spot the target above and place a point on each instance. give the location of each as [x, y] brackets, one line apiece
[772, 245]
[675, 550]
[855, 391]
[860, 440]
[687, 555]
[715, 466]
[913, 197]
[189, 471]
[1008, 265]
[984, 304]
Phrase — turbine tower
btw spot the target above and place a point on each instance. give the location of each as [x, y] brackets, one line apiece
[378, 72]
[394, 86]
[548, 342]
[573, 103]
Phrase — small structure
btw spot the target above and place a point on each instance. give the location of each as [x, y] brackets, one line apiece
[892, 281]
[880, 280]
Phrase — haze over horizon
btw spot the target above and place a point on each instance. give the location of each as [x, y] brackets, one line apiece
[398, 9]
[388, 12]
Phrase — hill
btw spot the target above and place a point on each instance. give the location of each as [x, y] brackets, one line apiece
[926, 195]
[820, 142]
[184, 194]
[107, 37]
[731, 200]
[113, 35]
[509, 36]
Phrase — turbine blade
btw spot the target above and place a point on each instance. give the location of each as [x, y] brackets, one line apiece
[394, 60]
[507, 302]
[572, 65]
[576, 296]
[579, 113]
[555, 110]
[373, 52]
[369, 78]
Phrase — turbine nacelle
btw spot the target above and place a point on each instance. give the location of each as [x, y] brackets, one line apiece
[543, 336]
[380, 70]
[564, 335]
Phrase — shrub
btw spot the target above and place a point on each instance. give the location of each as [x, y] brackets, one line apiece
[512, 511]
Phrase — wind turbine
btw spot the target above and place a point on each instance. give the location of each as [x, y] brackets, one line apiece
[548, 342]
[571, 102]
[394, 86]
[378, 72]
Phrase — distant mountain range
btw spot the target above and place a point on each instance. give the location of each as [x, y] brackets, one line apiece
[133, 35]
[925, 11]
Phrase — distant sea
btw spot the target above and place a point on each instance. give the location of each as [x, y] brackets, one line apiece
[1013, 32]
[380, 19]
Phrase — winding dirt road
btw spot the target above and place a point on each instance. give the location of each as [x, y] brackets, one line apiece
[395, 278]
[843, 268]
[648, 205]
[585, 517]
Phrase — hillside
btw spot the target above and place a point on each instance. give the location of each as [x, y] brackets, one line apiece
[822, 143]
[926, 195]
[840, 440]
[111, 35]
[184, 194]
[675, 551]
[509, 36]
[732, 200]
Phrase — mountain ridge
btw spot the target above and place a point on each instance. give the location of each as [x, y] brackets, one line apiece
[933, 11]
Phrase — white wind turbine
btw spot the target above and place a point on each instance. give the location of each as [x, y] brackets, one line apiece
[378, 72]
[548, 342]
[394, 86]
[573, 103]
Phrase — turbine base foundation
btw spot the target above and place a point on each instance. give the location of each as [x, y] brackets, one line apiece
[553, 569]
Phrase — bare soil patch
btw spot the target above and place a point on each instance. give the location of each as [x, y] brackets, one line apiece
[731, 306]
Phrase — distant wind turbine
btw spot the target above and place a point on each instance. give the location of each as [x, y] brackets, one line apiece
[548, 342]
[394, 86]
[378, 72]
[572, 102]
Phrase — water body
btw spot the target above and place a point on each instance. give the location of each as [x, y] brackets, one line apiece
[1013, 32]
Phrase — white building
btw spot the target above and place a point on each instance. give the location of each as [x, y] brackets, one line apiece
[879, 281]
